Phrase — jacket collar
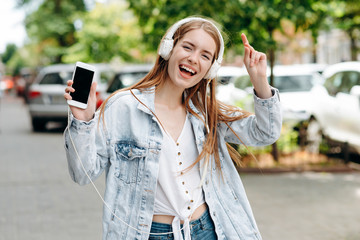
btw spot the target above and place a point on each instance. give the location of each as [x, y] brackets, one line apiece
[147, 97]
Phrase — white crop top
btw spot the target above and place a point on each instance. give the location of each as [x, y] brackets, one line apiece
[178, 193]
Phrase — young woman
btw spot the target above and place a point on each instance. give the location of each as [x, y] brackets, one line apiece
[163, 143]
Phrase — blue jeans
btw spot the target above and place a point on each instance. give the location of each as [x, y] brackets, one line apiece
[201, 228]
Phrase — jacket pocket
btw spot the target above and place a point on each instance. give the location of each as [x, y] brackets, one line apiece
[129, 162]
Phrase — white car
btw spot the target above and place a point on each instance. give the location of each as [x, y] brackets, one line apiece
[295, 83]
[336, 112]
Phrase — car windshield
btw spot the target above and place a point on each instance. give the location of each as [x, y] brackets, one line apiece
[56, 78]
[293, 83]
[124, 80]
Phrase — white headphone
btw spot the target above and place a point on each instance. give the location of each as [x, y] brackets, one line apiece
[167, 45]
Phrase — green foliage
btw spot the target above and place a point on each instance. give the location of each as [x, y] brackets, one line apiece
[23, 57]
[258, 19]
[9, 52]
[106, 32]
[51, 27]
[111, 31]
[347, 17]
[287, 143]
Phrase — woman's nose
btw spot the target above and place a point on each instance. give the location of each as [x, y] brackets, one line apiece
[193, 57]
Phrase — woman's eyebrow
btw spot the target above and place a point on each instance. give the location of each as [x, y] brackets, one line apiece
[193, 45]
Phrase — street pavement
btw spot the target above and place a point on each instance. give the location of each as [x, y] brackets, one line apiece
[39, 201]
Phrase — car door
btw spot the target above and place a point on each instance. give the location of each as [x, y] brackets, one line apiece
[348, 108]
[326, 107]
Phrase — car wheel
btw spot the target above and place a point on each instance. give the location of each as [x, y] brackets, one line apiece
[38, 124]
[314, 136]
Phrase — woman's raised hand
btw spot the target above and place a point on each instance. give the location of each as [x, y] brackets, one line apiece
[255, 63]
[82, 114]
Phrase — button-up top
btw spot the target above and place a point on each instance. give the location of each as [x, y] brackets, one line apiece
[127, 147]
[179, 192]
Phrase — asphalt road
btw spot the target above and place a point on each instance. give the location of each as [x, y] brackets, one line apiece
[39, 201]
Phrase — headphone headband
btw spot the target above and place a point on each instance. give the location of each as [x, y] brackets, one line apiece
[167, 44]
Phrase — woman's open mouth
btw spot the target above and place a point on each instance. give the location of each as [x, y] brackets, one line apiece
[187, 70]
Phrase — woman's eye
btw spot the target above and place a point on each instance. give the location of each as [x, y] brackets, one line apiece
[206, 57]
[187, 47]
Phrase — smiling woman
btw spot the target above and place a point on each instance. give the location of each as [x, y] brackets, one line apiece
[163, 143]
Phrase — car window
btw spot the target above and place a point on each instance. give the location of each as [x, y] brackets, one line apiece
[56, 78]
[105, 76]
[296, 83]
[124, 80]
[342, 82]
[224, 80]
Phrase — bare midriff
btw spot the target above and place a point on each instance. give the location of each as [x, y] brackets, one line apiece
[167, 219]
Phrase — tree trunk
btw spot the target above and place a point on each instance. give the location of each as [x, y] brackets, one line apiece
[274, 151]
[353, 47]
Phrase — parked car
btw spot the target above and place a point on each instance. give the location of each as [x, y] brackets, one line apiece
[126, 76]
[335, 114]
[45, 98]
[295, 83]
[26, 78]
[234, 86]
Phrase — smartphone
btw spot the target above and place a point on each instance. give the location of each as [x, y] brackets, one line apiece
[83, 76]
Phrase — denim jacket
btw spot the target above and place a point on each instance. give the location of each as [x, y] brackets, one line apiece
[127, 148]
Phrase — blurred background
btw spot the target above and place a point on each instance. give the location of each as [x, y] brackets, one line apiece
[313, 52]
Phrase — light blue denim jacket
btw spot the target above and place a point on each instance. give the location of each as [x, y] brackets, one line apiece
[128, 149]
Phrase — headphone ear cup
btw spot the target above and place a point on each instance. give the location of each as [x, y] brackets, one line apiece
[212, 73]
[165, 48]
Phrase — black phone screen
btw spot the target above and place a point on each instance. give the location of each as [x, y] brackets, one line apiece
[82, 84]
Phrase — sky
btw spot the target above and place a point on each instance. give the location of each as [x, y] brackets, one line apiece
[12, 29]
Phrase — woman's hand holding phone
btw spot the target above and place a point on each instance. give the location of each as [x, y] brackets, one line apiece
[82, 114]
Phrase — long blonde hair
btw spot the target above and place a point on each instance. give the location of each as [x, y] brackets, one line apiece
[217, 112]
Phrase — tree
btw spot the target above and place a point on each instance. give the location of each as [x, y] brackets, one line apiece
[347, 18]
[51, 27]
[107, 32]
[10, 50]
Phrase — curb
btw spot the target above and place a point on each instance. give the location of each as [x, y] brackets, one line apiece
[349, 168]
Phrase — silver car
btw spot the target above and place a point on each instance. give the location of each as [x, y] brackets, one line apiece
[46, 100]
